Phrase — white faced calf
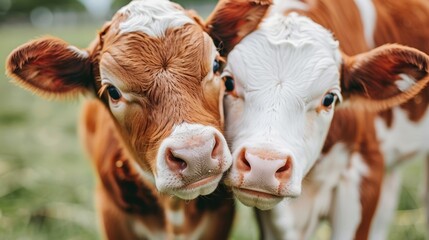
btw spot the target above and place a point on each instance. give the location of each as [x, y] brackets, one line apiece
[157, 71]
[283, 81]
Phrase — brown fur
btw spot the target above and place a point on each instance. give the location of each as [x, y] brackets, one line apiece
[228, 16]
[124, 197]
[355, 128]
[167, 67]
[405, 22]
[166, 77]
[352, 125]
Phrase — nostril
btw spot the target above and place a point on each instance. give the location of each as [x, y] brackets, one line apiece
[217, 149]
[285, 169]
[175, 163]
[242, 163]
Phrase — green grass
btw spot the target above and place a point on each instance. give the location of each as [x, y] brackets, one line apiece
[46, 182]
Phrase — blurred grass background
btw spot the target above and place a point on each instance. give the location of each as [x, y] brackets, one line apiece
[46, 181]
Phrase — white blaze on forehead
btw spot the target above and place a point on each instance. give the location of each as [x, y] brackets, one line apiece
[298, 29]
[287, 54]
[152, 17]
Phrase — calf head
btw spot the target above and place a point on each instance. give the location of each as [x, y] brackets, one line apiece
[283, 81]
[157, 71]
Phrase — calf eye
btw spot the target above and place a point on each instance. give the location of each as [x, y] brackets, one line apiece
[328, 99]
[229, 84]
[216, 65]
[114, 93]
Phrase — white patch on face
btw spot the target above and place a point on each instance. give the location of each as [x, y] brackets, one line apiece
[152, 17]
[405, 82]
[368, 16]
[194, 143]
[283, 69]
[404, 139]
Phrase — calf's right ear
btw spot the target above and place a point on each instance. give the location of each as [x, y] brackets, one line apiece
[50, 67]
[232, 20]
[384, 77]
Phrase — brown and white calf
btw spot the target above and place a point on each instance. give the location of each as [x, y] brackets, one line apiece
[156, 71]
[284, 74]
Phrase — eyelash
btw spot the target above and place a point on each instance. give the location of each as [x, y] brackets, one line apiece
[108, 88]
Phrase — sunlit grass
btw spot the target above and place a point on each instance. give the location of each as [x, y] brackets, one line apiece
[46, 181]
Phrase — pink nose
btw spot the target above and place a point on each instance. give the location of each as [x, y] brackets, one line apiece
[265, 166]
[196, 157]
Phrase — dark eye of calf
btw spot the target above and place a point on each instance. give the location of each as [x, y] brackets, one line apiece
[216, 66]
[229, 84]
[328, 99]
[114, 93]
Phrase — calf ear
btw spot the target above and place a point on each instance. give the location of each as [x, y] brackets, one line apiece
[232, 20]
[384, 77]
[50, 67]
[194, 15]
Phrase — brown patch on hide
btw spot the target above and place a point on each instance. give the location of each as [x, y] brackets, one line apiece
[340, 17]
[405, 23]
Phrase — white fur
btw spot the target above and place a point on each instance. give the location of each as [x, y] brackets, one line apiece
[298, 218]
[405, 82]
[152, 17]
[297, 63]
[347, 208]
[176, 217]
[143, 231]
[402, 141]
[281, 6]
[404, 138]
[387, 204]
[369, 19]
[193, 142]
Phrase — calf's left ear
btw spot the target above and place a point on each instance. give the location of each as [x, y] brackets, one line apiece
[384, 77]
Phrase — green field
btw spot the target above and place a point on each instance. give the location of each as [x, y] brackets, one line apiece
[46, 182]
